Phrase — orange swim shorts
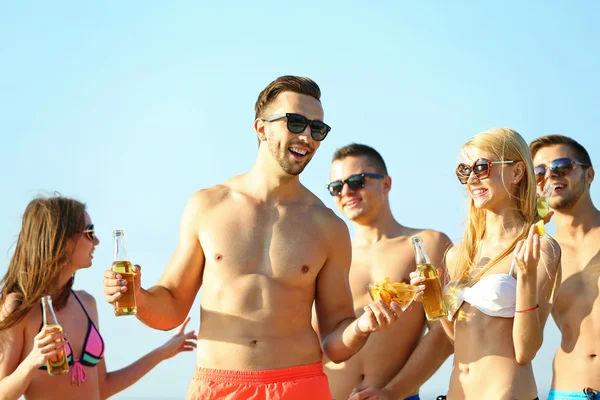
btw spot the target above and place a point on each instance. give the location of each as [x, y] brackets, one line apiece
[294, 383]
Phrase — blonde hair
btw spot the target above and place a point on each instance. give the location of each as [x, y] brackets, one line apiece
[505, 144]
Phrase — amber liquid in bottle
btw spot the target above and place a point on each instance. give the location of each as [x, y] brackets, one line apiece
[126, 304]
[433, 297]
[56, 364]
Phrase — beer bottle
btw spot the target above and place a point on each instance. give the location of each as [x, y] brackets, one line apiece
[126, 304]
[433, 298]
[56, 364]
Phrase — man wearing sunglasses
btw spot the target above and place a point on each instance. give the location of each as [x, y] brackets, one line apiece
[264, 249]
[393, 364]
[565, 164]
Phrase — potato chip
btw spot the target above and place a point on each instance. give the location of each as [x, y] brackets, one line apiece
[539, 227]
[397, 292]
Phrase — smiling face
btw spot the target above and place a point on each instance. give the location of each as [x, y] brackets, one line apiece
[497, 190]
[362, 204]
[292, 151]
[80, 248]
[571, 187]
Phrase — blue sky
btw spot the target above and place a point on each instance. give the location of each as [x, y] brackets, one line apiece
[132, 106]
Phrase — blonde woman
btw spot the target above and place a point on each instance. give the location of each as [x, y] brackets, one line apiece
[503, 276]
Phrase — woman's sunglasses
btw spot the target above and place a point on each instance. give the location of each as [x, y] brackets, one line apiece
[297, 123]
[354, 182]
[558, 167]
[481, 168]
[89, 232]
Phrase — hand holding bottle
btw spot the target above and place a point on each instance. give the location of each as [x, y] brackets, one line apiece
[122, 282]
[49, 342]
[114, 283]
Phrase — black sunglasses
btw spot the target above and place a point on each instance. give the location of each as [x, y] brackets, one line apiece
[482, 169]
[297, 123]
[558, 167]
[354, 182]
[89, 232]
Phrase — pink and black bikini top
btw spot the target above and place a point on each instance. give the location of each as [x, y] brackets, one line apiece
[93, 348]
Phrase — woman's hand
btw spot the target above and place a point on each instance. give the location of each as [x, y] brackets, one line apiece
[180, 342]
[49, 342]
[527, 254]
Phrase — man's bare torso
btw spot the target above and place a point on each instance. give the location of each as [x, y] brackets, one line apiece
[577, 314]
[386, 352]
[261, 263]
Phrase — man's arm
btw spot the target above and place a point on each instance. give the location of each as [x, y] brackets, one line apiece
[435, 347]
[342, 335]
[165, 305]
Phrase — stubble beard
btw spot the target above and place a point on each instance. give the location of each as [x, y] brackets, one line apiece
[568, 202]
[282, 157]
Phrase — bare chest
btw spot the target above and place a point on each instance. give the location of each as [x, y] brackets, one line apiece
[375, 263]
[580, 284]
[284, 243]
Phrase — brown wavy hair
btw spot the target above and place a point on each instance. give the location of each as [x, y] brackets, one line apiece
[41, 256]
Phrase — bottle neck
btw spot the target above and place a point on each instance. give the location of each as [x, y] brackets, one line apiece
[120, 251]
[49, 317]
[420, 254]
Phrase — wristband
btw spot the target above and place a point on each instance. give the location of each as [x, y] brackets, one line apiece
[529, 309]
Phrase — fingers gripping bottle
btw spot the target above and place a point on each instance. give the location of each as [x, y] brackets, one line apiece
[126, 304]
[56, 364]
[433, 297]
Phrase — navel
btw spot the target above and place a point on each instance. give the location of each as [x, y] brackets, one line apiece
[218, 257]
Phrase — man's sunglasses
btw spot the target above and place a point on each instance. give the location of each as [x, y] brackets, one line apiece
[354, 182]
[297, 123]
[558, 167]
[89, 232]
[482, 169]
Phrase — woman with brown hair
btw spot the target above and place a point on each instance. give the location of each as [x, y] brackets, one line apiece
[503, 275]
[57, 239]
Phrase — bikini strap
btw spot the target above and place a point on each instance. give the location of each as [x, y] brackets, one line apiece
[512, 267]
[81, 304]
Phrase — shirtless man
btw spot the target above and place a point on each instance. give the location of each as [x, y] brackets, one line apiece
[563, 162]
[395, 363]
[264, 248]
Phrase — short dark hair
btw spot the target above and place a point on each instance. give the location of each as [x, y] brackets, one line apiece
[362, 150]
[286, 83]
[550, 140]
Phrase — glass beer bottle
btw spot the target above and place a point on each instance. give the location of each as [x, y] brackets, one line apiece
[126, 304]
[433, 298]
[56, 364]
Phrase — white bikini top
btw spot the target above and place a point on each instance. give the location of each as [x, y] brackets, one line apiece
[494, 295]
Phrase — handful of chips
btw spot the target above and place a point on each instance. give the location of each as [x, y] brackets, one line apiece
[398, 292]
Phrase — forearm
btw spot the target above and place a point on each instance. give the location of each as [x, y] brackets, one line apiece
[158, 308]
[527, 329]
[119, 380]
[427, 357]
[344, 341]
[14, 385]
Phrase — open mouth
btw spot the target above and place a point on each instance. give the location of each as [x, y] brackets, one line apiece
[298, 153]
[478, 192]
[351, 203]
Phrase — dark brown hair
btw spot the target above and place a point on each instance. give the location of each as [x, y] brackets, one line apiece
[286, 83]
[362, 150]
[40, 256]
[550, 140]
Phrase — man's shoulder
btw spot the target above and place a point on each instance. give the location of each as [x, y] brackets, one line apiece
[210, 196]
[431, 237]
